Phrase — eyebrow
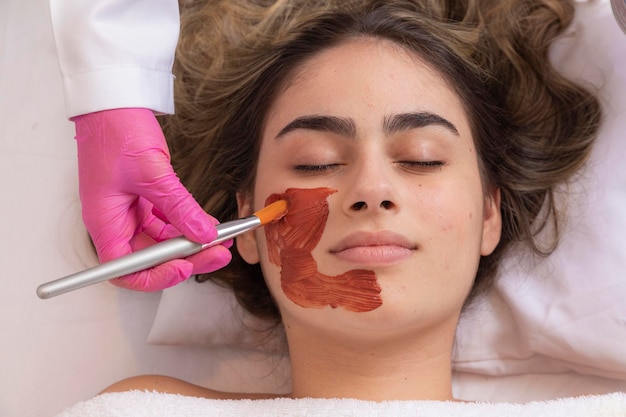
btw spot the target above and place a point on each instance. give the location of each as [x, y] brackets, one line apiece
[347, 128]
[407, 121]
[341, 126]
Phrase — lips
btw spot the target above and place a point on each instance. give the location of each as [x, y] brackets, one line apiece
[373, 248]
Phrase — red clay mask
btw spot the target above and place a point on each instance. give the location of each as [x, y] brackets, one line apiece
[290, 242]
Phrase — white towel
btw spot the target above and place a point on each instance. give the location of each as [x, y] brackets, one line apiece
[151, 404]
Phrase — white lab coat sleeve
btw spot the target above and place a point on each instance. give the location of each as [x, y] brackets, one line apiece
[116, 53]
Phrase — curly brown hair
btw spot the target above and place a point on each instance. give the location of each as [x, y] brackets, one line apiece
[533, 128]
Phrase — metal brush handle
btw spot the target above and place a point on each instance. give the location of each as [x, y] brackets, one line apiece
[176, 248]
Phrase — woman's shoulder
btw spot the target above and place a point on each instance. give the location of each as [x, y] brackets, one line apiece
[169, 385]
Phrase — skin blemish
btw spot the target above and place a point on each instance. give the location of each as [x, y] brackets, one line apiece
[290, 243]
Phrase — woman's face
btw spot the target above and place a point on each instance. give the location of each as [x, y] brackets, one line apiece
[373, 122]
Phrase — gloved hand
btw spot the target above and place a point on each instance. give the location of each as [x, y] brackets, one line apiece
[131, 197]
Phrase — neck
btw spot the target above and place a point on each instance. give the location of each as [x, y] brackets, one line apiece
[388, 368]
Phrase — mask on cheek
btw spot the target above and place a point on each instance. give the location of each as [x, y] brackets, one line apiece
[290, 243]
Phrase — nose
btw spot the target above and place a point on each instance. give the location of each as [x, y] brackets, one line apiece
[362, 205]
[372, 189]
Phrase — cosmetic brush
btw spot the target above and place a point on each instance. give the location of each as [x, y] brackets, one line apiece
[176, 248]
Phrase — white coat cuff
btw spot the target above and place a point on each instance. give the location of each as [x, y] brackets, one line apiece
[119, 87]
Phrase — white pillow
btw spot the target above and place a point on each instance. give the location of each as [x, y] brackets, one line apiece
[208, 314]
[566, 312]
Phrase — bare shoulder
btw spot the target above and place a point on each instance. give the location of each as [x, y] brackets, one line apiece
[169, 385]
[164, 384]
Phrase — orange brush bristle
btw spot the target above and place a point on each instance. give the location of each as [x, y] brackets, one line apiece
[272, 212]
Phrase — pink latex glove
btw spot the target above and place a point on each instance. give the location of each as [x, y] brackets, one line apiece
[131, 197]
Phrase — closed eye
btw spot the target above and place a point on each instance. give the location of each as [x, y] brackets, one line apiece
[423, 165]
[312, 169]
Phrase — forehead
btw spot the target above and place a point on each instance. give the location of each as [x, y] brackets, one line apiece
[360, 77]
[360, 51]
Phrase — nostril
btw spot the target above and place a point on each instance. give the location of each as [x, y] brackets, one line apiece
[359, 205]
[386, 204]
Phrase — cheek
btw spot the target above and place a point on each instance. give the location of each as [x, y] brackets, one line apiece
[271, 271]
[451, 221]
[290, 243]
[452, 215]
